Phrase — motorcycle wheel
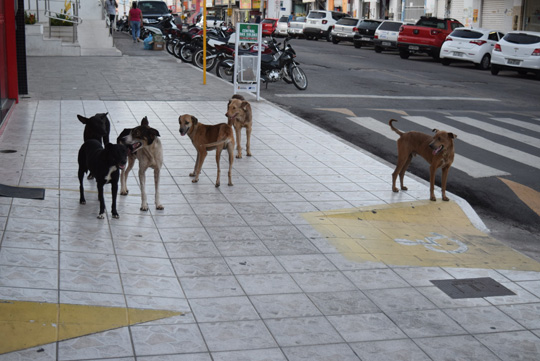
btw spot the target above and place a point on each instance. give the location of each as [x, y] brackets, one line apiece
[177, 48]
[186, 53]
[198, 60]
[286, 76]
[169, 45]
[298, 77]
[225, 70]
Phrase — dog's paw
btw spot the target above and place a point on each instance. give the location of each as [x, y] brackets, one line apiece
[82, 201]
[124, 193]
[446, 199]
[403, 188]
[101, 216]
[217, 185]
[116, 216]
[239, 156]
[159, 207]
[230, 184]
[144, 208]
[395, 190]
[192, 174]
[433, 199]
[194, 180]
[249, 154]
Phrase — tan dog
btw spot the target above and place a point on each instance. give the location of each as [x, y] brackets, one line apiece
[144, 145]
[240, 116]
[437, 150]
[208, 137]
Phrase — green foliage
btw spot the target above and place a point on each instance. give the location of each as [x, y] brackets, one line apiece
[29, 18]
[59, 22]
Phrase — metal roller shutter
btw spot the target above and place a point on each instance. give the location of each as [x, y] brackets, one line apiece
[492, 16]
[456, 10]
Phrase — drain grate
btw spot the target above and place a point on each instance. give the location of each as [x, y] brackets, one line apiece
[472, 288]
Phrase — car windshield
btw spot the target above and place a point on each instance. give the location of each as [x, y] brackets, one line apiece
[268, 21]
[467, 34]
[347, 21]
[153, 7]
[366, 24]
[522, 38]
[316, 15]
[284, 19]
[301, 19]
[390, 25]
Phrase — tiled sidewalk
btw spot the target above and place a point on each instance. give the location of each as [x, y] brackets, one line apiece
[251, 276]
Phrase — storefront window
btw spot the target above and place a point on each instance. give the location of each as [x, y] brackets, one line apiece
[531, 16]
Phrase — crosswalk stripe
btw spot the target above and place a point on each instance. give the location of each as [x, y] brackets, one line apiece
[523, 138]
[469, 166]
[480, 142]
[519, 123]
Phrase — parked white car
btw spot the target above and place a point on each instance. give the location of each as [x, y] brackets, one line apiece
[518, 51]
[386, 35]
[471, 45]
[319, 23]
[282, 26]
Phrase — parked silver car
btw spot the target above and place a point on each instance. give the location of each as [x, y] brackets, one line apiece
[296, 27]
[344, 29]
[518, 51]
[386, 35]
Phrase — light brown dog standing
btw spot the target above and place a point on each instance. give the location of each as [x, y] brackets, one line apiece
[437, 150]
[240, 116]
[208, 137]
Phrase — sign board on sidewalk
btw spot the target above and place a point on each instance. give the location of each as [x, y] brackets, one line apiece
[247, 74]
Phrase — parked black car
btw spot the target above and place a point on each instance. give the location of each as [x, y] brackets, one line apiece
[152, 10]
[365, 33]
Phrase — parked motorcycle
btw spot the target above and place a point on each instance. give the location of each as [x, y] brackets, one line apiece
[165, 27]
[277, 65]
[122, 24]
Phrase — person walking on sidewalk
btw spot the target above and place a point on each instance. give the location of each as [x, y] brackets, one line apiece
[135, 20]
[110, 7]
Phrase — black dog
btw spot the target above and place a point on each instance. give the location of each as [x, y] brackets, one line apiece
[105, 165]
[97, 127]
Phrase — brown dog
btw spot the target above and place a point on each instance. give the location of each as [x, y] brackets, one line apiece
[240, 116]
[208, 137]
[437, 150]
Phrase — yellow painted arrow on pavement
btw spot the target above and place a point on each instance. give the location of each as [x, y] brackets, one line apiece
[528, 195]
[29, 324]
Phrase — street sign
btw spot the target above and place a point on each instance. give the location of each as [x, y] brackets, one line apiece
[248, 33]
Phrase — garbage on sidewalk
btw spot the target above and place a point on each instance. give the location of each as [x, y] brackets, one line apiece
[154, 42]
[149, 42]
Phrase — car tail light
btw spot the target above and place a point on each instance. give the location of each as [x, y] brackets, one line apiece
[435, 32]
[333, 26]
[355, 30]
[375, 36]
[497, 47]
[478, 42]
[325, 21]
[448, 39]
[536, 52]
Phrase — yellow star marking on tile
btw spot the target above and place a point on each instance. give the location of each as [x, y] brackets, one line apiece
[422, 233]
[339, 110]
[528, 195]
[29, 324]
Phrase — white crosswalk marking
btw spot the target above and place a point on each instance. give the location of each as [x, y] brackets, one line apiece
[523, 138]
[480, 142]
[519, 123]
[469, 166]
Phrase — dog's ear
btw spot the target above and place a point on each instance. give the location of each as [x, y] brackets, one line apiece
[245, 106]
[452, 136]
[144, 122]
[153, 135]
[435, 130]
[82, 119]
[194, 120]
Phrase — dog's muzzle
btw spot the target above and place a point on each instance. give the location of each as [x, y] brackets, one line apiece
[437, 150]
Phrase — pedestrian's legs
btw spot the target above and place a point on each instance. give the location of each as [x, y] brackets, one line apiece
[111, 23]
[139, 31]
[135, 29]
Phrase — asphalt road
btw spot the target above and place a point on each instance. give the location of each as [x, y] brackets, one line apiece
[354, 92]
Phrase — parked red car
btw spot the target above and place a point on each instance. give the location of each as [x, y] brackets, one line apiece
[269, 26]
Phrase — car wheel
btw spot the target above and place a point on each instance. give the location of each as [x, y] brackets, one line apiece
[445, 61]
[494, 69]
[484, 63]
[329, 36]
[357, 44]
[404, 54]
[378, 49]
[522, 72]
[335, 40]
[436, 55]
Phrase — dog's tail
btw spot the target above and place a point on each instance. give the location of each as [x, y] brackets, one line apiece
[219, 142]
[399, 132]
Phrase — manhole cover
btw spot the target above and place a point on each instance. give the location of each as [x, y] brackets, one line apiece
[472, 288]
[7, 151]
